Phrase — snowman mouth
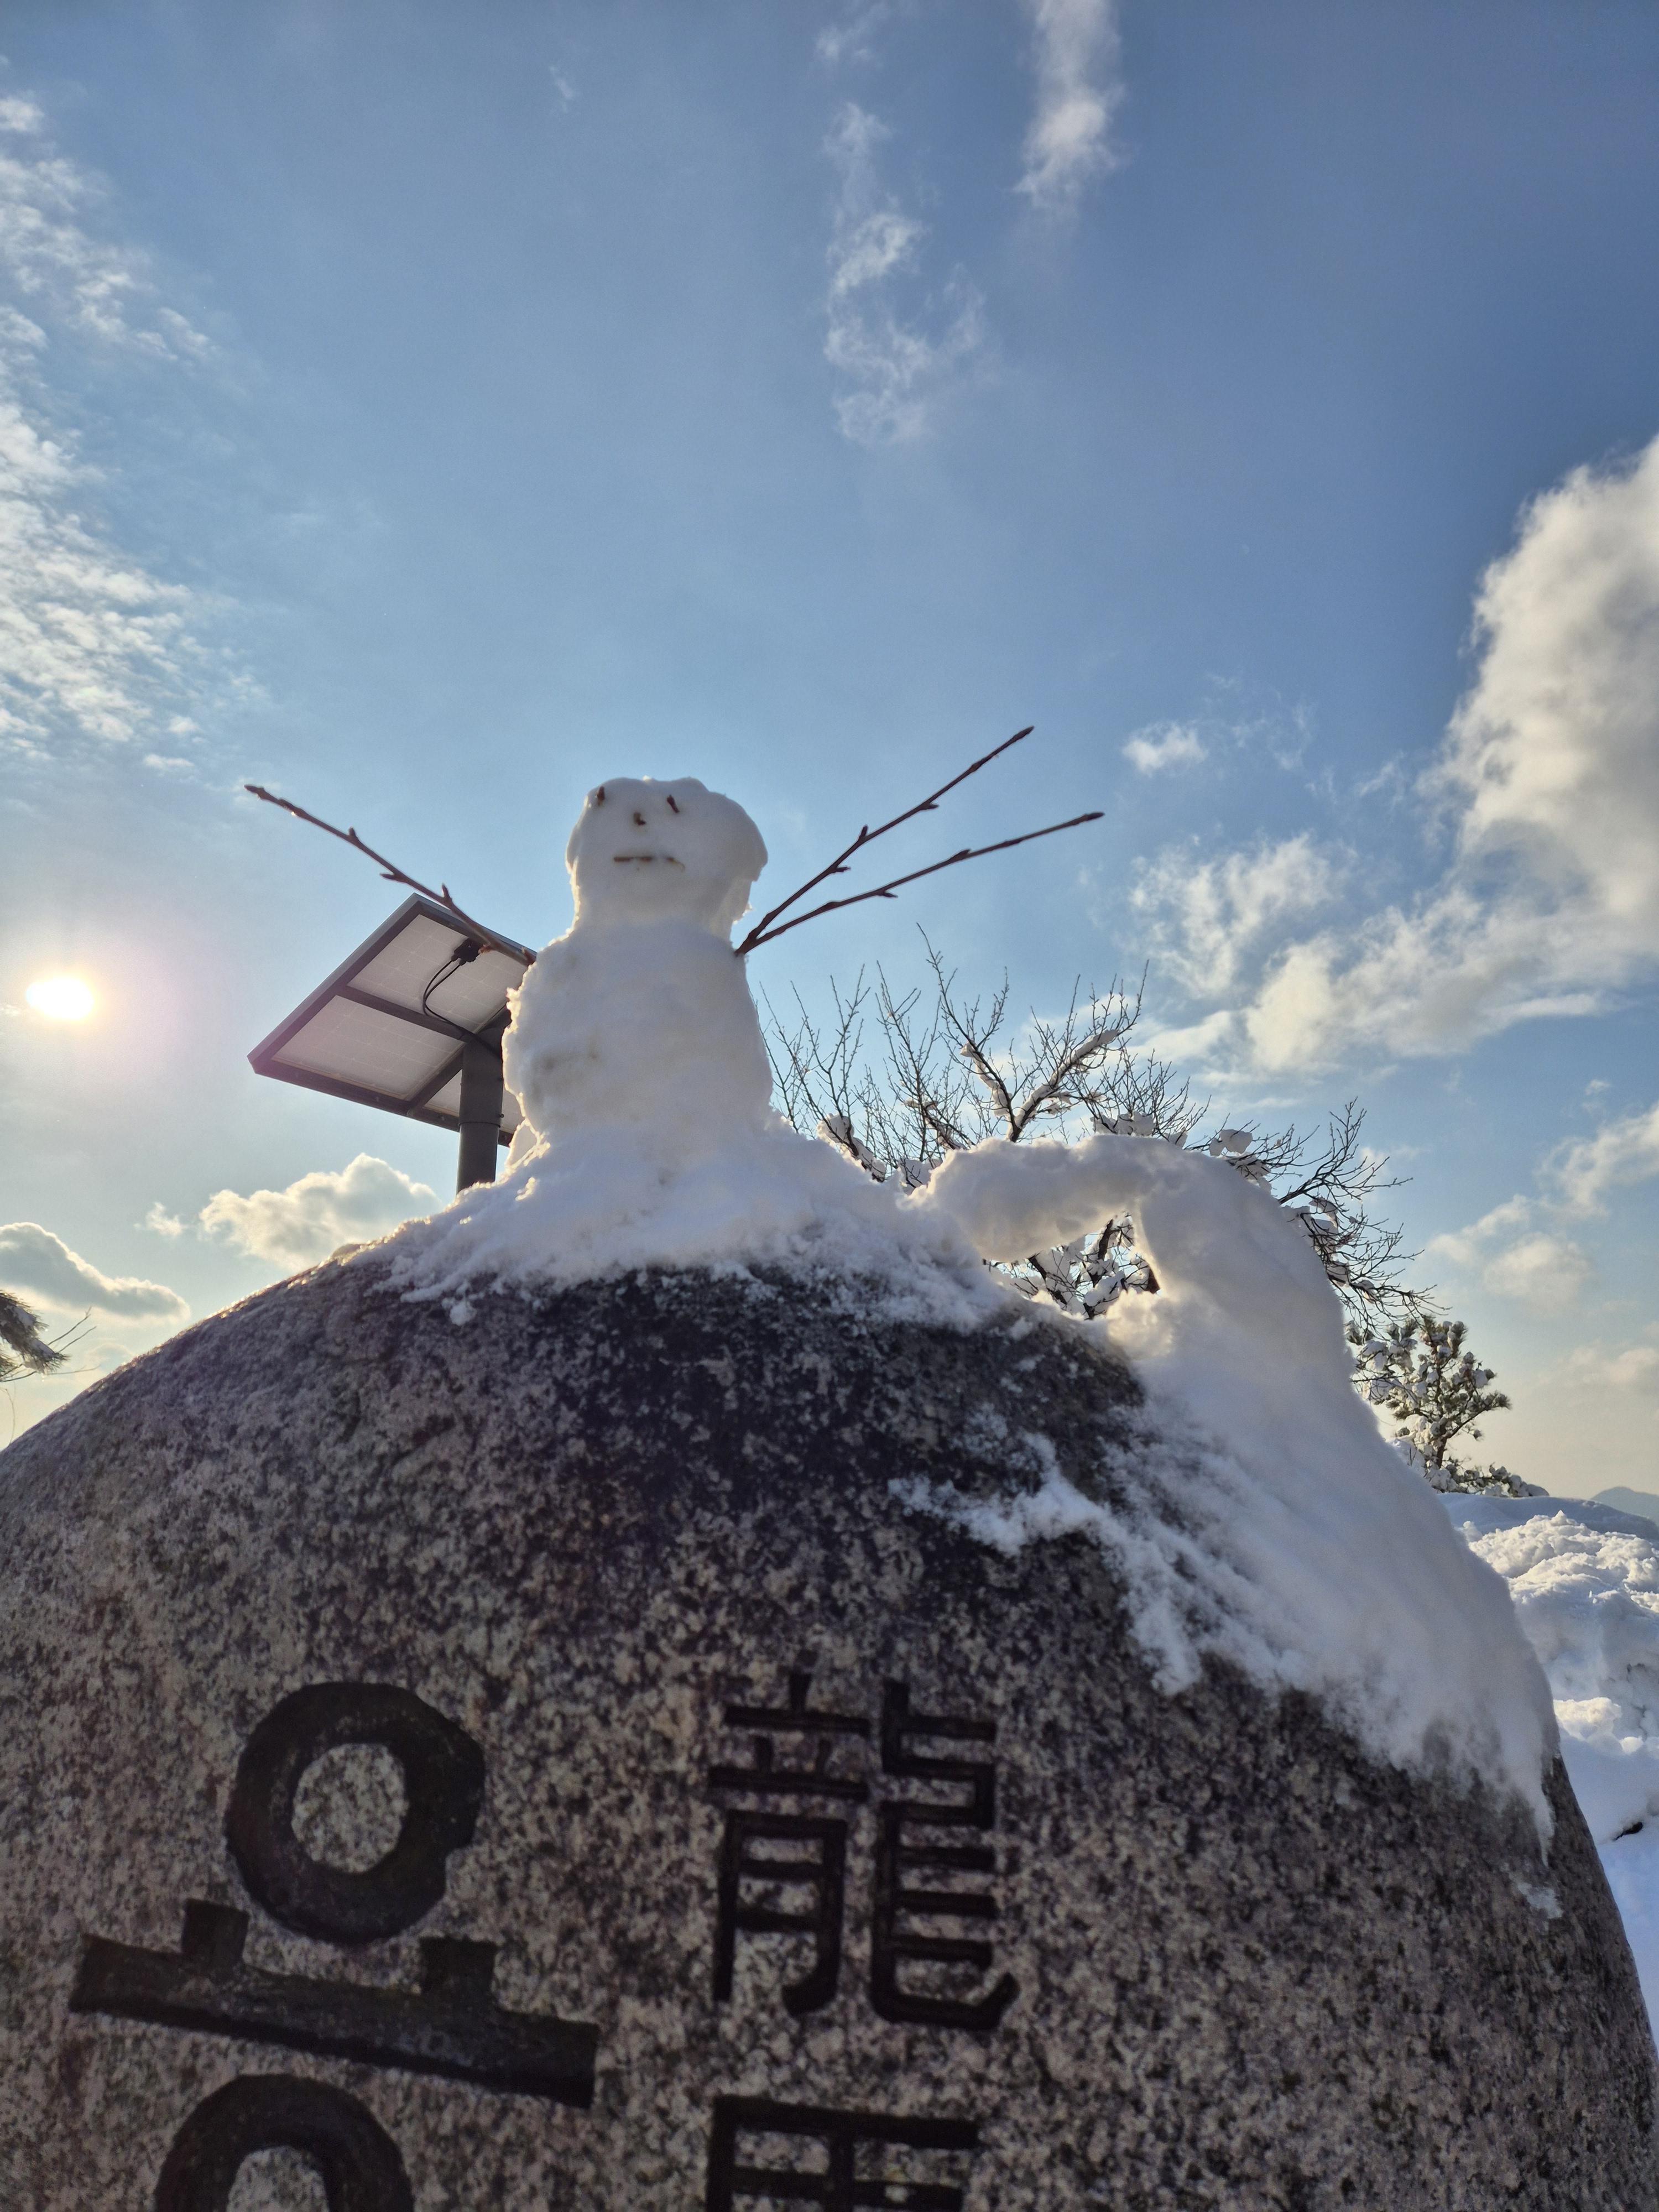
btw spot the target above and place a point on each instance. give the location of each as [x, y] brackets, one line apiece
[637, 859]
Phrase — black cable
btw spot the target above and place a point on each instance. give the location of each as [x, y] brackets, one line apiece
[462, 956]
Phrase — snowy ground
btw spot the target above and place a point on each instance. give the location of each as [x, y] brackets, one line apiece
[1585, 1582]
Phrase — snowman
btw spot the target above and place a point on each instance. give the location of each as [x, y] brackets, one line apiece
[636, 1025]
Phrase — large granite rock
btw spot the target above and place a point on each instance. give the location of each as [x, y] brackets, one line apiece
[616, 1596]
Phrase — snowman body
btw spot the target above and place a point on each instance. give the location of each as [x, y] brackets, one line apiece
[639, 1018]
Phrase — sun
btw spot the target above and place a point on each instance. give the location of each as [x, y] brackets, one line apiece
[60, 997]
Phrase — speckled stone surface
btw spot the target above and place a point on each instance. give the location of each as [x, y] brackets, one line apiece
[1251, 1968]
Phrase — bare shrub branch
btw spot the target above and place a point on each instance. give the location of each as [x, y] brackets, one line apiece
[943, 1071]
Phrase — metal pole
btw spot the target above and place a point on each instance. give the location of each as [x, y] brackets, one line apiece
[481, 1110]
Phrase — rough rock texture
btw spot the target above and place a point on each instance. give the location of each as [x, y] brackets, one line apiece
[1252, 1969]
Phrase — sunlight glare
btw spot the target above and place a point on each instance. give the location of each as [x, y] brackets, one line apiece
[60, 997]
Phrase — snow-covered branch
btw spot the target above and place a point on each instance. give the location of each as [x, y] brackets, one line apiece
[942, 1071]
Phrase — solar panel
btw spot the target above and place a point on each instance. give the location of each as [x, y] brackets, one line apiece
[382, 1032]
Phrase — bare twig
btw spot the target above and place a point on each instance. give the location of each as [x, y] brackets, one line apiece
[391, 871]
[949, 1071]
[759, 935]
[764, 928]
[763, 932]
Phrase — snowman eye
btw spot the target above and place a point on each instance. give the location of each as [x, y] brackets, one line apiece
[673, 803]
[598, 796]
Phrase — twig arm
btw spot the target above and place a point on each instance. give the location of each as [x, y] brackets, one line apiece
[391, 871]
[868, 837]
[886, 890]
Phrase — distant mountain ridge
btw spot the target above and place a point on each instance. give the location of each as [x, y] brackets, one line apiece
[1643, 1502]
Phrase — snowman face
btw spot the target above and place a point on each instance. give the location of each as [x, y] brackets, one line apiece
[645, 851]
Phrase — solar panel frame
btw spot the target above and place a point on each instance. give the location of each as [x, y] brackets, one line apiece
[341, 988]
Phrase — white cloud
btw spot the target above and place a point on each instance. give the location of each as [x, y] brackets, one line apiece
[1163, 745]
[1549, 771]
[895, 370]
[1207, 916]
[38, 1264]
[1463, 1248]
[105, 290]
[1540, 1270]
[1514, 1259]
[1552, 753]
[1075, 54]
[305, 1223]
[1196, 1046]
[91, 645]
[1619, 1152]
[161, 1223]
[853, 38]
[1635, 1368]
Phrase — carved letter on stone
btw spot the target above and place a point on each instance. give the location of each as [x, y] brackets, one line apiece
[818, 1866]
[837, 2185]
[908, 1846]
[822, 1875]
[921, 1856]
[450, 2025]
[443, 1782]
[358, 2163]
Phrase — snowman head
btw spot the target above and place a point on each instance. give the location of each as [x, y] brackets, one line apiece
[644, 851]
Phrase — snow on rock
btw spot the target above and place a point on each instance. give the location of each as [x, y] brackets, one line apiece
[636, 1054]
[1585, 1582]
[1290, 1537]
[1265, 1519]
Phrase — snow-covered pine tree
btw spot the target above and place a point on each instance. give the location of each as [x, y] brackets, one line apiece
[1420, 1370]
[944, 1072]
[23, 1350]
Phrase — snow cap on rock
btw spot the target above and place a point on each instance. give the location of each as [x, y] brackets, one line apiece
[643, 851]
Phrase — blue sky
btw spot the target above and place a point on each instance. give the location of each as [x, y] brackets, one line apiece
[429, 411]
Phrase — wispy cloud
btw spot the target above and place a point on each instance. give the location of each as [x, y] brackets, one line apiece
[1636, 1368]
[1075, 50]
[92, 645]
[316, 1213]
[38, 1264]
[1208, 918]
[1165, 744]
[1508, 1255]
[1549, 775]
[54, 258]
[896, 347]
[1619, 1153]
[852, 38]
